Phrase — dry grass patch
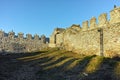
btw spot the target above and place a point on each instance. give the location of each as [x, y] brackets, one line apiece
[58, 64]
[94, 64]
[50, 53]
[73, 64]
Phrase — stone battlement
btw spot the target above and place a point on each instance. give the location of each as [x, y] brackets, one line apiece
[12, 43]
[92, 37]
[11, 34]
[102, 20]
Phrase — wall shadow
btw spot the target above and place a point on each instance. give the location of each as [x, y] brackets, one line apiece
[52, 65]
[105, 70]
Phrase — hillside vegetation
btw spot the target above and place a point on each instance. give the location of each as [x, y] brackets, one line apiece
[56, 64]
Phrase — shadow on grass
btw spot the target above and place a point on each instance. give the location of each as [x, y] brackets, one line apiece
[81, 64]
[53, 65]
[59, 72]
[56, 72]
[19, 55]
[105, 71]
[49, 63]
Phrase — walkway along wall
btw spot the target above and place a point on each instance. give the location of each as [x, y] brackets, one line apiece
[102, 38]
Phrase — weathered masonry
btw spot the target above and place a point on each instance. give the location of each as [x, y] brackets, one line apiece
[11, 43]
[102, 38]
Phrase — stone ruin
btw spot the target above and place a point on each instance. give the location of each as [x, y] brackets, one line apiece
[11, 43]
[87, 39]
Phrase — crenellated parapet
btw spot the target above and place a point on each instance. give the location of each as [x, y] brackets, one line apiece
[11, 43]
[43, 38]
[1, 33]
[85, 26]
[28, 36]
[20, 35]
[102, 20]
[36, 37]
[11, 35]
[93, 23]
[98, 36]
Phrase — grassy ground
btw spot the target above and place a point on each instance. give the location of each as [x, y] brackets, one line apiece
[55, 64]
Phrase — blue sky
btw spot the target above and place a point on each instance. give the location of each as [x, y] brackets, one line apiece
[42, 16]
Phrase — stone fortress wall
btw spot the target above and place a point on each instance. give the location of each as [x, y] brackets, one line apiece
[11, 43]
[102, 38]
